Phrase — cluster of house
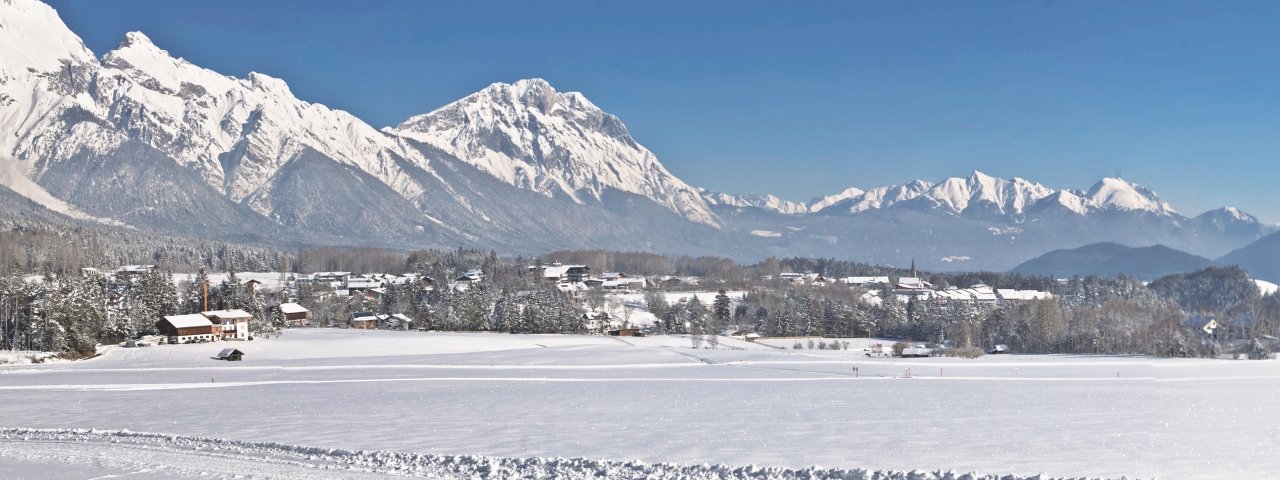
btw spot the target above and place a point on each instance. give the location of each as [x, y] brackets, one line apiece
[370, 321]
[372, 285]
[578, 278]
[908, 288]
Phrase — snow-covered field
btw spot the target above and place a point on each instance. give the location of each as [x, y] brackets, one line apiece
[474, 405]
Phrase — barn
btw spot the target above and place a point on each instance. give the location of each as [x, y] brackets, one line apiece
[188, 328]
[295, 315]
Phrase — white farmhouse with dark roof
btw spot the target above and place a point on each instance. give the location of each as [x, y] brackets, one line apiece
[188, 328]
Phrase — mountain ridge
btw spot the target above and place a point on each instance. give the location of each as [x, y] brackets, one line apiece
[1110, 259]
[143, 138]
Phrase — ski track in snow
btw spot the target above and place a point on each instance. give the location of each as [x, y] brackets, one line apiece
[121, 453]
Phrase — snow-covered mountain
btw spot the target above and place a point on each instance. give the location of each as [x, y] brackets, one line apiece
[150, 140]
[1114, 194]
[764, 201]
[555, 143]
[854, 200]
[982, 195]
[153, 140]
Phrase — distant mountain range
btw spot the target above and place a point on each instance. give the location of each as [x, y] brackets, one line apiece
[1112, 259]
[1261, 259]
[140, 138]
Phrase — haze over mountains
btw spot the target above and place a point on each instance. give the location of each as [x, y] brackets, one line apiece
[141, 138]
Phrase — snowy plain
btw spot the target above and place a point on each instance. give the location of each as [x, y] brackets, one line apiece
[627, 401]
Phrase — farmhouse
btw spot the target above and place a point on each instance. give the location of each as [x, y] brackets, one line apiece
[188, 328]
[566, 273]
[624, 284]
[234, 324]
[132, 272]
[363, 320]
[294, 315]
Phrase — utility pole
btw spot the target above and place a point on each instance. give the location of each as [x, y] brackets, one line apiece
[206, 294]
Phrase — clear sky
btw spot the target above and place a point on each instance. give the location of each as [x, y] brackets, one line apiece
[802, 99]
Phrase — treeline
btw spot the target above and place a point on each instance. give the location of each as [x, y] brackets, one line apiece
[1087, 315]
[34, 248]
[511, 299]
[68, 311]
[73, 313]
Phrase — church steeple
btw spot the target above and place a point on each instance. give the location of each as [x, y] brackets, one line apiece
[913, 268]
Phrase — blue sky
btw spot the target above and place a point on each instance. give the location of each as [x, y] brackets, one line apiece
[802, 98]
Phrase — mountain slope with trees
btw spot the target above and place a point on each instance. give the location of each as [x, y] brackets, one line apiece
[1113, 259]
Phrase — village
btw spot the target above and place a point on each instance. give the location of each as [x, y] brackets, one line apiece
[609, 303]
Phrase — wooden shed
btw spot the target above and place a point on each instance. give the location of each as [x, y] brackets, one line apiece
[230, 355]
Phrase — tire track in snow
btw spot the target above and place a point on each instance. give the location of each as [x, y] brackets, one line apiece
[827, 378]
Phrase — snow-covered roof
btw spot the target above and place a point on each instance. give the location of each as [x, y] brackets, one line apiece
[292, 308]
[623, 282]
[1024, 295]
[557, 271]
[188, 320]
[864, 280]
[363, 283]
[572, 287]
[364, 316]
[234, 313]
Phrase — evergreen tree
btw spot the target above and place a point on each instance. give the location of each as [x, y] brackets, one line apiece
[721, 308]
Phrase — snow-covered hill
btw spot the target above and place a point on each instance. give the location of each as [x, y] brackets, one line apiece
[555, 143]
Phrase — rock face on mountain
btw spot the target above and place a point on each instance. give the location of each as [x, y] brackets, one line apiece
[154, 141]
[529, 135]
[143, 138]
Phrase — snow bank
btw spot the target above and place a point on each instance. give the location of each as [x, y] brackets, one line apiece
[24, 357]
[442, 466]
